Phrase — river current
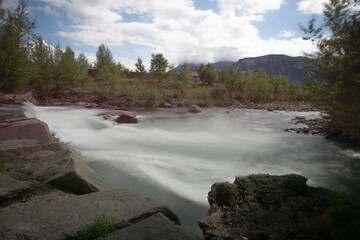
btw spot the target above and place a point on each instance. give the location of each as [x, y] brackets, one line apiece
[175, 156]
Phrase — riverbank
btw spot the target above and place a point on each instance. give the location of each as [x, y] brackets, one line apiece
[49, 192]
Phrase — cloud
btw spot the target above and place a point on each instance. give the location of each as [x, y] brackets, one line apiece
[177, 29]
[48, 10]
[287, 34]
[312, 6]
[249, 6]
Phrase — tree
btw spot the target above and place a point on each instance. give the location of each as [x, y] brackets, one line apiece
[338, 61]
[16, 38]
[158, 65]
[42, 68]
[232, 79]
[140, 68]
[83, 67]
[185, 74]
[104, 63]
[68, 67]
[208, 74]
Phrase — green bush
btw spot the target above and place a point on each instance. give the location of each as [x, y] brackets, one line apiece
[101, 226]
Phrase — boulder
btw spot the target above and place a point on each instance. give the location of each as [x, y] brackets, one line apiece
[25, 128]
[67, 171]
[28, 97]
[166, 105]
[127, 118]
[194, 109]
[10, 187]
[53, 163]
[120, 116]
[154, 227]
[274, 207]
[62, 218]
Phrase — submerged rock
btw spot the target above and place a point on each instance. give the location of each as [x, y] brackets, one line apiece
[272, 207]
[194, 109]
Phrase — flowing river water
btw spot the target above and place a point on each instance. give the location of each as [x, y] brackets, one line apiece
[175, 156]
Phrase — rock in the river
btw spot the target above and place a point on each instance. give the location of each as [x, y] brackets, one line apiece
[120, 116]
[194, 109]
[274, 207]
[127, 118]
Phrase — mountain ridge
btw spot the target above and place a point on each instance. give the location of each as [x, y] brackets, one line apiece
[273, 64]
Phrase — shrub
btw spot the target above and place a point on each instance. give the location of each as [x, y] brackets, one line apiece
[101, 226]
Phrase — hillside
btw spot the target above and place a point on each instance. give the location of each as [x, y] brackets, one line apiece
[291, 67]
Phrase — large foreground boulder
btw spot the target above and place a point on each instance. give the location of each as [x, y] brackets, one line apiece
[53, 163]
[277, 207]
[25, 128]
[157, 226]
[62, 218]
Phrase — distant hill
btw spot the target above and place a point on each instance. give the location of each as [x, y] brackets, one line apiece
[291, 67]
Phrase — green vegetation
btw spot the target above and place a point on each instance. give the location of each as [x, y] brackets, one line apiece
[101, 226]
[338, 61]
[56, 74]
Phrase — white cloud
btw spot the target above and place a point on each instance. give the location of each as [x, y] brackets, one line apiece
[312, 6]
[249, 6]
[287, 34]
[48, 10]
[177, 29]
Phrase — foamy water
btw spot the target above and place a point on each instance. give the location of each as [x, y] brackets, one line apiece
[176, 156]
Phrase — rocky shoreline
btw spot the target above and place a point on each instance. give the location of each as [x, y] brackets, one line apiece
[47, 191]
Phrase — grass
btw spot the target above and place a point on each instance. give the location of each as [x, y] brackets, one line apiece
[101, 226]
[54, 135]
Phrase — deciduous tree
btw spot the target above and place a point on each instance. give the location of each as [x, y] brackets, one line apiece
[338, 61]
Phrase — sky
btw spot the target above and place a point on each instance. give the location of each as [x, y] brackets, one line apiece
[195, 31]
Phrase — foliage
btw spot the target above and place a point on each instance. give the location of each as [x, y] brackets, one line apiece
[101, 226]
[106, 68]
[158, 65]
[83, 66]
[185, 74]
[140, 68]
[16, 37]
[208, 74]
[42, 68]
[337, 61]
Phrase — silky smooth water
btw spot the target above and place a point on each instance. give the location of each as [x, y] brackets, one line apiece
[175, 156]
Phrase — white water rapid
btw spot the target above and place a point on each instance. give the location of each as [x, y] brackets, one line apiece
[175, 156]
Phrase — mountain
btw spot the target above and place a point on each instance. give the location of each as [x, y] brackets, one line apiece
[291, 67]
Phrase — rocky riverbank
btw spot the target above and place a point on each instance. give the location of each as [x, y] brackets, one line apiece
[257, 207]
[47, 191]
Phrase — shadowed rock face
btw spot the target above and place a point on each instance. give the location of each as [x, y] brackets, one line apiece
[268, 207]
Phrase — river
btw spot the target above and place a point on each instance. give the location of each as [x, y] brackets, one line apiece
[175, 156]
